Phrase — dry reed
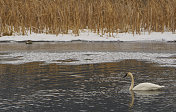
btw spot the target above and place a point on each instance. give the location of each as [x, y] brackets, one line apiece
[101, 16]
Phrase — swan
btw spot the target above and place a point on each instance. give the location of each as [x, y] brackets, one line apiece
[142, 86]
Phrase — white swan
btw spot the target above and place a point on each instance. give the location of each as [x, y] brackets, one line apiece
[142, 86]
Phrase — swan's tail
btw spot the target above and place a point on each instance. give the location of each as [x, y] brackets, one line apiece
[161, 87]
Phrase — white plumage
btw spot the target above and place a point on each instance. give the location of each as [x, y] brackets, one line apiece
[142, 86]
[147, 86]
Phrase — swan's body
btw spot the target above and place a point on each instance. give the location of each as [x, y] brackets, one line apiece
[147, 86]
[142, 86]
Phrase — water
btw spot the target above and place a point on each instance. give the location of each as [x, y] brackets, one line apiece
[70, 85]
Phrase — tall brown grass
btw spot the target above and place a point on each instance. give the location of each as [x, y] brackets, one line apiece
[101, 16]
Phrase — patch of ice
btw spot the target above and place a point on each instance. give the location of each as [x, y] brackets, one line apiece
[86, 57]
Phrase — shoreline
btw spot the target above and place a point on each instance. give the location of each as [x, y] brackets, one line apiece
[93, 37]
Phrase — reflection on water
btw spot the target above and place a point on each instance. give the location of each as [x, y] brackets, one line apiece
[132, 99]
[144, 96]
[100, 87]
[156, 47]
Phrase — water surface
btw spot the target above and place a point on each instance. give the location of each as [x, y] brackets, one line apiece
[99, 87]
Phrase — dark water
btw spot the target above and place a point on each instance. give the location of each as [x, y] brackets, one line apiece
[39, 87]
[157, 47]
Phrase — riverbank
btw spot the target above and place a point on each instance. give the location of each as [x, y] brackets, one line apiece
[93, 37]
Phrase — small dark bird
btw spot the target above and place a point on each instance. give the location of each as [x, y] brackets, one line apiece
[28, 42]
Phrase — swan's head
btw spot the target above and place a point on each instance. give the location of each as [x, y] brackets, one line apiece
[127, 74]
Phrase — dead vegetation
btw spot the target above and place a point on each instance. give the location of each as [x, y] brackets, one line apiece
[101, 16]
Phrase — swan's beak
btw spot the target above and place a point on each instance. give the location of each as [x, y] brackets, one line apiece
[125, 75]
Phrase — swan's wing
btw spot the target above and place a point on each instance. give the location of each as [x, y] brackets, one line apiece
[147, 86]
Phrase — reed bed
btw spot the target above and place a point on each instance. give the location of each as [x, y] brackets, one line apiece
[100, 16]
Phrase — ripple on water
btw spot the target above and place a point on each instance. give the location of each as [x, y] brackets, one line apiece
[54, 87]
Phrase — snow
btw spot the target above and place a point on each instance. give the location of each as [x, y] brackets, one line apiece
[90, 36]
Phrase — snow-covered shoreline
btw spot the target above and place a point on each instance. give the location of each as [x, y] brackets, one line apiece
[93, 37]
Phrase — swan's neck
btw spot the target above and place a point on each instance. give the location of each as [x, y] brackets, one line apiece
[132, 82]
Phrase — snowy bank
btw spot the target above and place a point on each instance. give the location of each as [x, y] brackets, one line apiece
[92, 37]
